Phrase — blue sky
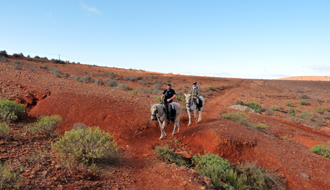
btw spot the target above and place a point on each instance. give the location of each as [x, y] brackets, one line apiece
[248, 39]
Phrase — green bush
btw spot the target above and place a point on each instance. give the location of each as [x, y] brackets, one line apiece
[10, 110]
[262, 126]
[254, 106]
[212, 166]
[291, 112]
[45, 125]
[180, 98]
[168, 156]
[321, 149]
[9, 178]
[251, 176]
[239, 117]
[4, 130]
[305, 115]
[135, 91]
[275, 108]
[211, 88]
[302, 102]
[85, 144]
[321, 110]
[289, 103]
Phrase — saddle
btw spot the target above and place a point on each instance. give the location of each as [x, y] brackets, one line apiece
[200, 103]
[173, 112]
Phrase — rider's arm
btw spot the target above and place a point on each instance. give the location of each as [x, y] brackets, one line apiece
[173, 97]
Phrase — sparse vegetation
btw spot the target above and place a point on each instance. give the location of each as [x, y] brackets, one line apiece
[10, 110]
[302, 102]
[45, 125]
[112, 83]
[284, 137]
[304, 96]
[275, 108]
[239, 102]
[99, 81]
[212, 88]
[3, 53]
[55, 72]
[135, 91]
[9, 178]
[123, 87]
[17, 65]
[291, 112]
[3, 59]
[290, 103]
[321, 149]
[321, 110]
[85, 144]
[4, 130]
[262, 126]
[300, 91]
[256, 107]
[168, 156]
[268, 111]
[57, 61]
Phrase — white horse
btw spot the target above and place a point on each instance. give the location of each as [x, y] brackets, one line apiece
[191, 106]
[158, 113]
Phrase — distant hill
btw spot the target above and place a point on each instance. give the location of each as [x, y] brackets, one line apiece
[307, 78]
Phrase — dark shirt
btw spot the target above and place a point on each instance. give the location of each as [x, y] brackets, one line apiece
[168, 94]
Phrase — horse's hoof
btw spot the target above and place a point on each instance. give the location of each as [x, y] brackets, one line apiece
[188, 125]
[178, 130]
[166, 135]
[173, 134]
[197, 121]
[160, 138]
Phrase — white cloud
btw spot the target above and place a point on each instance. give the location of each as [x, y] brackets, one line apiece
[89, 9]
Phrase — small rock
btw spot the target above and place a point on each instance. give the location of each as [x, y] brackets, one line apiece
[43, 174]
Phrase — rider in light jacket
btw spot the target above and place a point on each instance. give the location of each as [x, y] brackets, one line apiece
[195, 93]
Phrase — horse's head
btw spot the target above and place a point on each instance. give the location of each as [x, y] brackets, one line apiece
[153, 112]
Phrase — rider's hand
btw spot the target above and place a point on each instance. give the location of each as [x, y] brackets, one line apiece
[195, 97]
[168, 100]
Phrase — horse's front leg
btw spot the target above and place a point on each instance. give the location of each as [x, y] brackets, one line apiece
[200, 115]
[189, 116]
[173, 133]
[162, 132]
[195, 116]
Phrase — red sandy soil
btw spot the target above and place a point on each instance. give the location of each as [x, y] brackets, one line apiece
[308, 78]
[127, 116]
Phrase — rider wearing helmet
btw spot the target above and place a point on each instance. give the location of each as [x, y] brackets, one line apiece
[195, 93]
[168, 96]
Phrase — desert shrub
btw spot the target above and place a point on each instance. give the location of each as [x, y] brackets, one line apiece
[159, 98]
[10, 110]
[86, 79]
[99, 81]
[112, 83]
[3, 59]
[239, 102]
[157, 86]
[284, 137]
[168, 156]
[131, 78]
[291, 112]
[157, 81]
[118, 78]
[275, 108]
[3, 53]
[239, 117]
[17, 65]
[55, 72]
[302, 102]
[251, 176]
[4, 130]
[135, 91]
[321, 110]
[144, 82]
[211, 88]
[235, 180]
[311, 123]
[111, 75]
[181, 98]
[20, 55]
[326, 116]
[298, 110]
[9, 178]
[123, 87]
[33, 69]
[289, 103]
[262, 126]
[321, 149]
[43, 67]
[254, 106]
[76, 78]
[305, 115]
[180, 93]
[212, 166]
[268, 111]
[148, 90]
[57, 61]
[85, 144]
[66, 75]
[45, 125]
[77, 126]
[304, 96]
[300, 91]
